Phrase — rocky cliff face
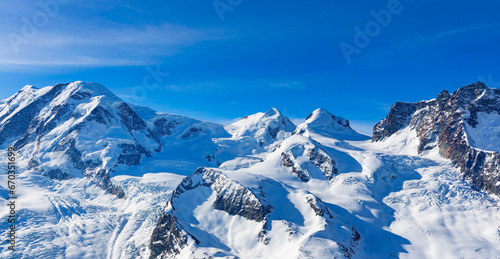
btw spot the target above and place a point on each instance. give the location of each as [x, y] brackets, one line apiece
[239, 202]
[305, 157]
[169, 237]
[82, 129]
[216, 212]
[463, 126]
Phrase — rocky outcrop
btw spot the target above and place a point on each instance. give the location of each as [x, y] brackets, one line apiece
[232, 197]
[444, 123]
[15, 122]
[324, 163]
[260, 203]
[302, 155]
[169, 236]
[288, 161]
[90, 130]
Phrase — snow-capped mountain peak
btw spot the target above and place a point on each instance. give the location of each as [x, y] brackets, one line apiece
[464, 127]
[323, 122]
[81, 90]
[28, 88]
[259, 190]
[263, 126]
[83, 129]
[322, 118]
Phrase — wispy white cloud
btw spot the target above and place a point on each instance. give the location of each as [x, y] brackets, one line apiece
[184, 88]
[459, 31]
[286, 84]
[416, 40]
[76, 61]
[95, 46]
[163, 35]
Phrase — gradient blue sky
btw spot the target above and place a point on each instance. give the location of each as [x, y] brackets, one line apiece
[263, 54]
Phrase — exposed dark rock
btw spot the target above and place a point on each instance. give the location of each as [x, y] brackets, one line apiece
[397, 119]
[319, 207]
[323, 162]
[34, 121]
[441, 123]
[21, 121]
[102, 179]
[318, 158]
[164, 127]
[298, 131]
[309, 116]
[212, 158]
[193, 131]
[342, 121]
[273, 132]
[33, 164]
[130, 119]
[100, 115]
[57, 174]
[168, 237]
[132, 153]
[232, 197]
[288, 162]
[80, 96]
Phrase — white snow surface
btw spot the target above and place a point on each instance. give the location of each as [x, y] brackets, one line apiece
[323, 122]
[256, 125]
[404, 205]
[486, 135]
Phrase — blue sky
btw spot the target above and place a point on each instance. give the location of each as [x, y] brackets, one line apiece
[181, 57]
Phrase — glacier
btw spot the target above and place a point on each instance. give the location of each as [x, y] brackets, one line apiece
[101, 178]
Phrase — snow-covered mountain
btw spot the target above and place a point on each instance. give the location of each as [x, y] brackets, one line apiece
[464, 126]
[321, 121]
[243, 215]
[82, 129]
[252, 138]
[101, 178]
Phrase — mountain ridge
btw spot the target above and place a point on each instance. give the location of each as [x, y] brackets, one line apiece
[445, 123]
[261, 187]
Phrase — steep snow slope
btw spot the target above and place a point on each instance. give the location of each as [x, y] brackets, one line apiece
[318, 190]
[463, 125]
[74, 218]
[322, 122]
[82, 129]
[402, 204]
[487, 135]
[253, 137]
[437, 213]
[263, 127]
[240, 215]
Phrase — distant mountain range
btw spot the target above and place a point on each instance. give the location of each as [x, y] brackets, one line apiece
[102, 178]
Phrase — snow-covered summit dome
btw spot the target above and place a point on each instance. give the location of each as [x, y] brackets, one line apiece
[323, 122]
[262, 125]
